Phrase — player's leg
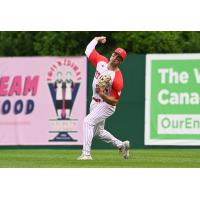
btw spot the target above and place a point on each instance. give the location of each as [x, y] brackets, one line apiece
[99, 113]
[107, 136]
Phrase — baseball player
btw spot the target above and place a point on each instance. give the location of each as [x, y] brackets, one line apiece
[105, 98]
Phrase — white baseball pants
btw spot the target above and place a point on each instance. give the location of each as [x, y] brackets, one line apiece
[94, 126]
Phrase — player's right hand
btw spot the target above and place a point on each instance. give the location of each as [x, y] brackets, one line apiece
[101, 39]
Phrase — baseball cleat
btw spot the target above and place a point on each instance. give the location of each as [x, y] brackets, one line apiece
[125, 149]
[84, 157]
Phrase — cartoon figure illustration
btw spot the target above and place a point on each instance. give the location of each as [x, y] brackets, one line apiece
[69, 85]
[63, 92]
[59, 85]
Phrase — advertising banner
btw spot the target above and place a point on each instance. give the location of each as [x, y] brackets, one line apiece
[172, 107]
[42, 100]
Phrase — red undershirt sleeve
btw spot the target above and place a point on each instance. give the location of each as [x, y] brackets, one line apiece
[117, 85]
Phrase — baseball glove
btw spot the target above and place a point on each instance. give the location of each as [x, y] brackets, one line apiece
[104, 81]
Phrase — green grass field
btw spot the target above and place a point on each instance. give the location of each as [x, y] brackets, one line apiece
[139, 158]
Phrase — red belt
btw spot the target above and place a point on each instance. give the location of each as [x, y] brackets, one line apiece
[97, 100]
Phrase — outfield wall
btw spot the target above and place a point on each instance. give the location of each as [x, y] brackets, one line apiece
[128, 122]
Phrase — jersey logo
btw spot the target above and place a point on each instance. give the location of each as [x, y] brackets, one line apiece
[97, 74]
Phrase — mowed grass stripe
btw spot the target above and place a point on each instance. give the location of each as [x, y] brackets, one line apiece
[139, 158]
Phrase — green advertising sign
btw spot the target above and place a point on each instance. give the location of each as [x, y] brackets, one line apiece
[172, 107]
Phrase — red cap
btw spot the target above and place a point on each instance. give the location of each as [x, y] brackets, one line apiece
[121, 52]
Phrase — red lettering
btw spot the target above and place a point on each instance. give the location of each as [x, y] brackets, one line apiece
[16, 87]
[31, 85]
[97, 74]
[59, 63]
[4, 85]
